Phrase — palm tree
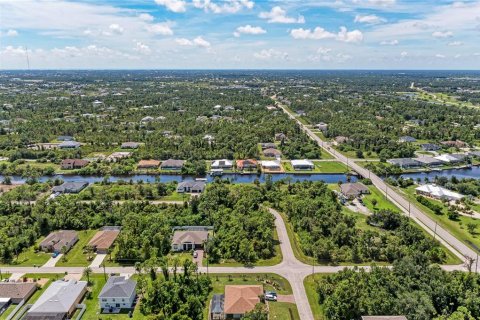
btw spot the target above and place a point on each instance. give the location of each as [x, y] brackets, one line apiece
[86, 272]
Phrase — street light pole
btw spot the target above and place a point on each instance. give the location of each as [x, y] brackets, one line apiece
[435, 231]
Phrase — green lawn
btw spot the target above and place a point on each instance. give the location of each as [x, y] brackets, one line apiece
[175, 196]
[76, 257]
[29, 257]
[312, 295]
[283, 311]
[97, 281]
[8, 311]
[275, 282]
[382, 202]
[456, 228]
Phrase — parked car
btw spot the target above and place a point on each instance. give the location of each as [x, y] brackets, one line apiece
[55, 254]
[195, 254]
[270, 296]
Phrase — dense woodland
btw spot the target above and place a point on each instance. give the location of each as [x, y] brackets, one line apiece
[413, 288]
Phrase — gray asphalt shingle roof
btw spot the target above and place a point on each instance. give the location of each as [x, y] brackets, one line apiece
[118, 287]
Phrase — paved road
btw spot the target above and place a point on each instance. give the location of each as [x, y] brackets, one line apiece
[455, 245]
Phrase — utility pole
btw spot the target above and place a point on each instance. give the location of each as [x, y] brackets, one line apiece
[104, 272]
[409, 209]
[476, 265]
[435, 231]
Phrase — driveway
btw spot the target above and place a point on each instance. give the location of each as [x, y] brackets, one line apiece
[97, 262]
[52, 261]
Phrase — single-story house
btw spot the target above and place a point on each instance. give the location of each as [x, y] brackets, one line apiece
[405, 139]
[437, 192]
[103, 239]
[191, 187]
[460, 156]
[247, 164]
[475, 154]
[268, 145]
[70, 187]
[69, 164]
[222, 164]
[118, 293]
[448, 158]
[430, 147]
[302, 164]
[148, 164]
[405, 163]
[17, 291]
[454, 144]
[172, 164]
[353, 190]
[66, 138]
[240, 299]
[384, 318]
[429, 161]
[321, 126]
[217, 305]
[55, 241]
[59, 301]
[130, 145]
[273, 153]
[340, 139]
[69, 145]
[271, 165]
[115, 156]
[184, 240]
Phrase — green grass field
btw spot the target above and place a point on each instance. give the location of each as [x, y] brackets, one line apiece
[76, 257]
[382, 202]
[320, 167]
[312, 295]
[29, 257]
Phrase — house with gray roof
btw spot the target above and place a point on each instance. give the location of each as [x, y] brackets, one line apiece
[55, 241]
[191, 187]
[118, 293]
[430, 147]
[405, 163]
[69, 145]
[353, 190]
[406, 139]
[172, 164]
[59, 301]
[184, 240]
[217, 307]
[70, 187]
[130, 145]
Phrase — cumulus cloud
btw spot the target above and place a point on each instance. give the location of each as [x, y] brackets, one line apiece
[383, 3]
[389, 42]
[328, 55]
[404, 54]
[159, 29]
[146, 17]
[369, 19]
[442, 34]
[142, 48]
[248, 29]
[268, 54]
[11, 33]
[320, 33]
[198, 41]
[227, 6]
[455, 43]
[115, 28]
[173, 5]
[440, 56]
[279, 15]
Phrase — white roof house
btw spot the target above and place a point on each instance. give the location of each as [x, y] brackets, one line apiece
[270, 164]
[447, 158]
[302, 163]
[222, 164]
[437, 192]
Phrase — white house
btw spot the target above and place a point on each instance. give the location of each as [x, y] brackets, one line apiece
[447, 158]
[222, 164]
[271, 164]
[302, 164]
[437, 192]
[118, 293]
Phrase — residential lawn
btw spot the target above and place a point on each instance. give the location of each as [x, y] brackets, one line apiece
[457, 228]
[382, 202]
[181, 256]
[8, 311]
[29, 257]
[97, 281]
[260, 263]
[283, 311]
[353, 154]
[320, 167]
[312, 295]
[76, 257]
[175, 196]
[219, 281]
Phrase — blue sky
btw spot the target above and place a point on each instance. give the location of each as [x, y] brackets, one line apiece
[303, 34]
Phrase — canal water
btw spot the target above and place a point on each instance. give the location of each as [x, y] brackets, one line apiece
[473, 172]
[234, 178]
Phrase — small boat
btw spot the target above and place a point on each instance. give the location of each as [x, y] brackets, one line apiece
[216, 172]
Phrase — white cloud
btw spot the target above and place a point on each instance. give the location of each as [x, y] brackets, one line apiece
[442, 34]
[173, 5]
[227, 6]
[12, 51]
[270, 54]
[248, 29]
[142, 48]
[389, 42]
[279, 15]
[146, 17]
[11, 33]
[198, 41]
[404, 54]
[328, 55]
[160, 29]
[455, 43]
[116, 28]
[440, 56]
[369, 19]
[383, 3]
[320, 33]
